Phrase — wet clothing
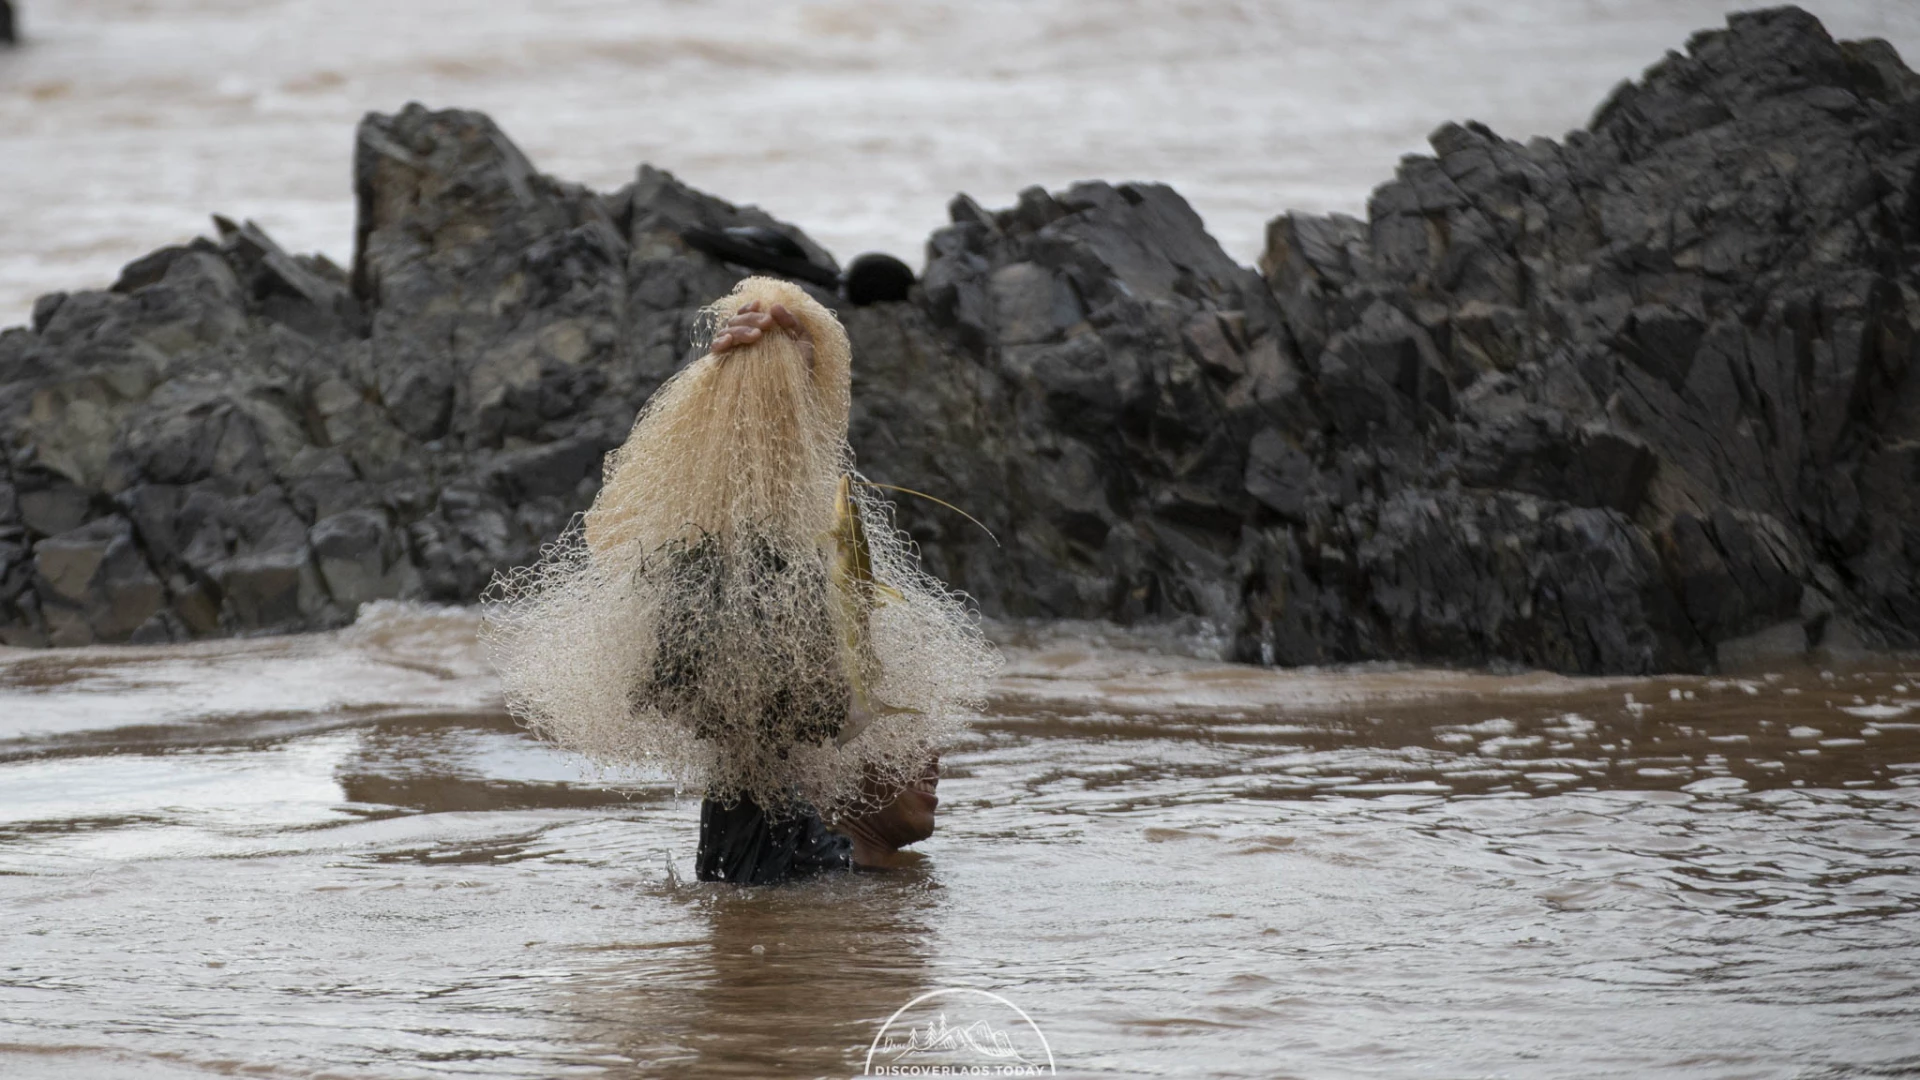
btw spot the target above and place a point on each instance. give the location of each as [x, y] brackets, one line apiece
[741, 843]
[806, 703]
[792, 657]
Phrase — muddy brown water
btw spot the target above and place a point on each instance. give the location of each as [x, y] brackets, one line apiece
[334, 856]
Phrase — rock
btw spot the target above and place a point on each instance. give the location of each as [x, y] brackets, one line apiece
[1281, 476]
[58, 507]
[1075, 418]
[93, 584]
[360, 558]
[269, 590]
[1617, 467]
[1643, 400]
[1782, 643]
[874, 278]
[1663, 319]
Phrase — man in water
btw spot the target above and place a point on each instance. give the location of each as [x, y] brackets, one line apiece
[739, 841]
[737, 612]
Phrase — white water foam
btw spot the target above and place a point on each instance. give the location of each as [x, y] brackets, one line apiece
[124, 123]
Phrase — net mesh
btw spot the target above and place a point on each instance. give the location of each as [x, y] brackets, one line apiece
[736, 609]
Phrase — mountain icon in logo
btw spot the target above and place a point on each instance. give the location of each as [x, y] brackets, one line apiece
[959, 1031]
[979, 1037]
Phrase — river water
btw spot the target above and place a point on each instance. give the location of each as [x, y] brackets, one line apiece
[334, 856]
[124, 123]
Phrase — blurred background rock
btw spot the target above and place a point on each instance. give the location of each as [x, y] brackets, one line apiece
[1638, 401]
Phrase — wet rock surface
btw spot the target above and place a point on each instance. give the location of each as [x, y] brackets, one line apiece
[1642, 400]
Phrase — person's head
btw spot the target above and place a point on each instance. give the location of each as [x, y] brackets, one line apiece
[749, 441]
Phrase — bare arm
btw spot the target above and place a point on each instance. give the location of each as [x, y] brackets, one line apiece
[906, 819]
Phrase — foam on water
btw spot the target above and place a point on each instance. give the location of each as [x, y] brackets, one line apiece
[1179, 867]
[396, 657]
[124, 123]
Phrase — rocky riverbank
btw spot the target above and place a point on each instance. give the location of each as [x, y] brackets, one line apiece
[1642, 400]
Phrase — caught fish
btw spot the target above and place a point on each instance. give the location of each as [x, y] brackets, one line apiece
[857, 593]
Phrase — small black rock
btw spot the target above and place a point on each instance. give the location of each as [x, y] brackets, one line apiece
[768, 239]
[874, 278]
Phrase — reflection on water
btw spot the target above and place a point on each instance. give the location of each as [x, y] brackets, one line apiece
[770, 982]
[333, 855]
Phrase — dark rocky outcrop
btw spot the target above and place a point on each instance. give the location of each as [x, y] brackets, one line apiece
[1643, 400]
[1621, 403]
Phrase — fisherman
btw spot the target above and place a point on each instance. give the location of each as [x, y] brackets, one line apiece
[738, 840]
[736, 610]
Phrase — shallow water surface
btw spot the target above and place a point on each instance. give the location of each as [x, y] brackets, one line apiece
[334, 856]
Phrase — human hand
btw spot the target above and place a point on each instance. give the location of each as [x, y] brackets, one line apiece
[906, 819]
[749, 324]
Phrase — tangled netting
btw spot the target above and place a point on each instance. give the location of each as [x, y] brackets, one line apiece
[737, 609]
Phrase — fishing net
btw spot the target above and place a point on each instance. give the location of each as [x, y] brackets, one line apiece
[737, 609]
